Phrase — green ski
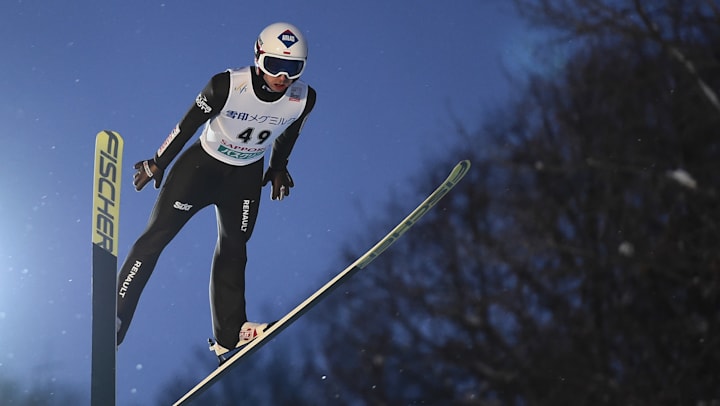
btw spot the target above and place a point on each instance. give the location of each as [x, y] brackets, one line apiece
[455, 176]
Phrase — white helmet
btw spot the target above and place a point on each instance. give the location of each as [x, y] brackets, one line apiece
[281, 49]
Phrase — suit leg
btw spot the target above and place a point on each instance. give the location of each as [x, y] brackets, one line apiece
[236, 216]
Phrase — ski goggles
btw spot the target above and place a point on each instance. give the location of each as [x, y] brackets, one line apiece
[275, 66]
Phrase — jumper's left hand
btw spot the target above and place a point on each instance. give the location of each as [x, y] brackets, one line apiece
[281, 183]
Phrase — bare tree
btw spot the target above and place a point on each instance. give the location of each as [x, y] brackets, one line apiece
[267, 378]
[577, 264]
[673, 26]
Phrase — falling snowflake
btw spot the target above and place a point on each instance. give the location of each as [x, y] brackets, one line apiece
[682, 177]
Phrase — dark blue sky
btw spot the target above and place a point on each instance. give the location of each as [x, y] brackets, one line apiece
[391, 78]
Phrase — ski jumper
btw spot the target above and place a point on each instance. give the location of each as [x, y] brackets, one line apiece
[223, 168]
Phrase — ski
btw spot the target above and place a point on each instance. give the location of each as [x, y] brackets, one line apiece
[105, 232]
[455, 176]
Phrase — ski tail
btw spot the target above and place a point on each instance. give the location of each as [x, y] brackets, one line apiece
[107, 178]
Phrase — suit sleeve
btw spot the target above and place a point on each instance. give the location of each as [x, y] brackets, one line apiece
[283, 145]
[207, 105]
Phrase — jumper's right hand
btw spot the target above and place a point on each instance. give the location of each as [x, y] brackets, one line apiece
[147, 170]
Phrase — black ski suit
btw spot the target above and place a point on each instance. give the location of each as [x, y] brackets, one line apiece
[194, 182]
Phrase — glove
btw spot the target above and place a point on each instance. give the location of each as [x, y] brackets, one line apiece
[281, 183]
[147, 170]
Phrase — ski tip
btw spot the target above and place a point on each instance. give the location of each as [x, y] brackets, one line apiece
[460, 169]
[109, 134]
